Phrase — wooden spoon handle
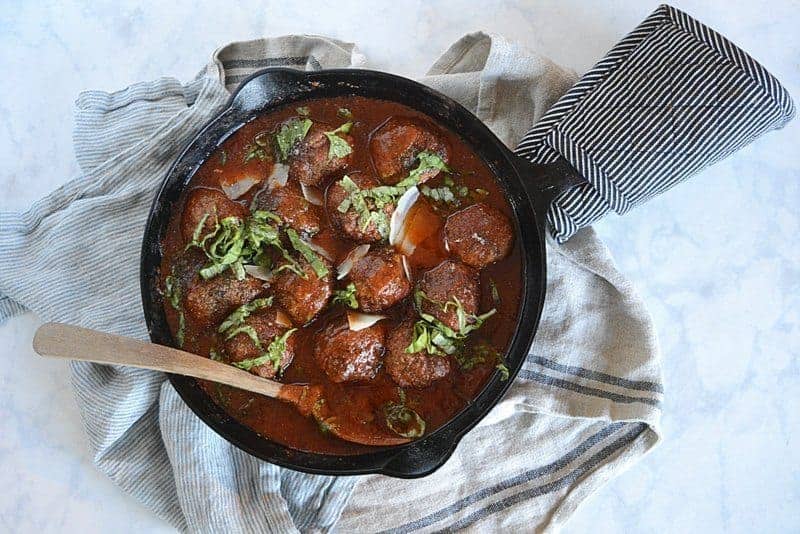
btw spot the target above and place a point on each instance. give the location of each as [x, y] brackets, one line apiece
[58, 340]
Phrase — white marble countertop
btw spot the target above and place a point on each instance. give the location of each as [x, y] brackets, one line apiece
[717, 259]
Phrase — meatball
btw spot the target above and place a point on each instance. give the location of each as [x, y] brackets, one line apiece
[291, 206]
[448, 281]
[395, 146]
[412, 369]
[380, 280]
[209, 301]
[479, 235]
[347, 223]
[310, 164]
[348, 356]
[303, 298]
[216, 204]
[241, 346]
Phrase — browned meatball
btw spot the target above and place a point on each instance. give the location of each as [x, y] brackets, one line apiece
[395, 146]
[291, 206]
[309, 163]
[348, 356]
[380, 280]
[416, 369]
[202, 201]
[479, 235]
[347, 223]
[448, 281]
[209, 301]
[241, 346]
[303, 298]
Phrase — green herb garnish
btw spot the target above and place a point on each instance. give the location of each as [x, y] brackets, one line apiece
[435, 337]
[339, 148]
[273, 354]
[311, 257]
[258, 148]
[234, 242]
[439, 194]
[304, 111]
[291, 133]
[344, 113]
[223, 157]
[173, 293]
[402, 420]
[243, 312]
[346, 296]
[214, 355]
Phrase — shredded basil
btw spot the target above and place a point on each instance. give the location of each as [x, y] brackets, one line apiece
[339, 148]
[439, 194]
[173, 293]
[346, 296]
[304, 111]
[291, 133]
[402, 420]
[243, 312]
[344, 113]
[435, 337]
[320, 269]
[235, 242]
[273, 354]
[504, 372]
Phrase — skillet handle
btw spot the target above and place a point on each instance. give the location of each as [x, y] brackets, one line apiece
[268, 86]
[670, 99]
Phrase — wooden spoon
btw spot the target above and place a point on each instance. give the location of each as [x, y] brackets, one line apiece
[74, 343]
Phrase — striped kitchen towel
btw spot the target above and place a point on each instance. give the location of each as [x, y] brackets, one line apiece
[585, 406]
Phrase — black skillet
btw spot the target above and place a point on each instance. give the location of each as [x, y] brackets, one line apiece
[671, 97]
[529, 190]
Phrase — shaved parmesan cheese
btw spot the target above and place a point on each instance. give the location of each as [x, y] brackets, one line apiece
[239, 186]
[398, 226]
[312, 194]
[352, 257]
[279, 176]
[282, 319]
[257, 271]
[407, 268]
[359, 321]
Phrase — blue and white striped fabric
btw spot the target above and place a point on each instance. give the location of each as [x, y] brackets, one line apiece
[586, 405]
[671, 98]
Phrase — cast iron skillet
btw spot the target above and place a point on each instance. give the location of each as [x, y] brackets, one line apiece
[529, 189]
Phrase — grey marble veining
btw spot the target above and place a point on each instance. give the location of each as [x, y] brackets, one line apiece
[717, 259]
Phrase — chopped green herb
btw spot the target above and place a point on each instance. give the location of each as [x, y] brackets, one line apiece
[243, 312]
[173, 293]
[504, 372]
[223, 157]
[339, 148]
[402, 420]
[346, 296]
[435, 337]
[320, 269]
[304, 111]
[439, 194]
[344, 113]
[214, 355]
[258, 148]
[248, 330]
[482, 192]
[273, 354]
[234, 242]
[262, 139]
[291, 133]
